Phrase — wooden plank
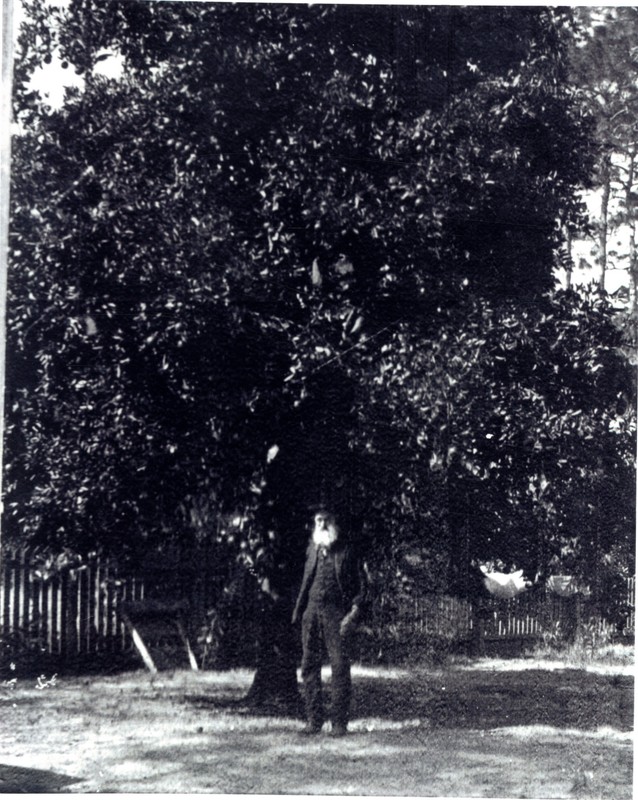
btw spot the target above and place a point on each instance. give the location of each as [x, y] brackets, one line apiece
[104, 595]
[38, 609]
[72, 619]
[122, 630]
[54, 611]
[17, 595]
[139, 644]
[3, 590]
[90, 582]
[82, 610]
[26, 593]
[7, 598]
[191, 656]
[109, 609]
[63, 614]
[99, 606]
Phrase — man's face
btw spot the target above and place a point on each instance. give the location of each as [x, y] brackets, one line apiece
[323, 520]
[325, 531]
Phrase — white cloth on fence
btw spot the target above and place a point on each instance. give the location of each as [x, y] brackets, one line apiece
[503, 585]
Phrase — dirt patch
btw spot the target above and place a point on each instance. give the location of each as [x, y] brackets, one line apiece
[483, 730]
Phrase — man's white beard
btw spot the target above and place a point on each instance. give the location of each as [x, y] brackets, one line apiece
[325, 537]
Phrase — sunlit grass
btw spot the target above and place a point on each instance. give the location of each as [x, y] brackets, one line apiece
[583, 655]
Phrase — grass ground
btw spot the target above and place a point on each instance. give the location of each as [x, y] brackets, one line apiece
[486, 728]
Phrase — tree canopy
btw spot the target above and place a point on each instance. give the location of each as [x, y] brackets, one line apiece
[304, 253]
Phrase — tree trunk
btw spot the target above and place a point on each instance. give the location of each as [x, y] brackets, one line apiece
[274, 684]
[604, 214]
[633, 256]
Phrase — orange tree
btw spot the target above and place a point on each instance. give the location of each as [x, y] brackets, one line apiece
[298, 254]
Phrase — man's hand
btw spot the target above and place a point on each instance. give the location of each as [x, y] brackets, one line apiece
[348, 621]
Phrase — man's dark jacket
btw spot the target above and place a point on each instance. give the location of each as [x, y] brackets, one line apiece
[350, 577]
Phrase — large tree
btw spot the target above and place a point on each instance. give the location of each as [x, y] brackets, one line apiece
[262, 269]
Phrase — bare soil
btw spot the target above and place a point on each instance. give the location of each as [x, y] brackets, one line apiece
[515, 728]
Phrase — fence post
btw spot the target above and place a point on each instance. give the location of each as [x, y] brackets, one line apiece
[26, 592]
[100, 597]
[17, 593]
[479, 616]
[71, 618]
[7, 592]
[109, 589]
[91, 606]
[35, 616]
[64, 614]
[54, 629]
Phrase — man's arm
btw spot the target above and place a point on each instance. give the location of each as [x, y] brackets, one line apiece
[360, 577]
[362, 584]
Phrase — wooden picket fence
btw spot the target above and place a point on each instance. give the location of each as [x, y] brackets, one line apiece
[76, 611]
[70, 612]
[527, 616]
[530, 614]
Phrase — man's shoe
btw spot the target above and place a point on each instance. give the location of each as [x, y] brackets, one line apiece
[311, 729]
[338, 731]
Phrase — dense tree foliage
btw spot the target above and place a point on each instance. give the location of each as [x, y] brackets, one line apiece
[306, 253]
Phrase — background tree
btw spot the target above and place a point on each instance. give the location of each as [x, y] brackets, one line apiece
[604, 62]
[298, 255]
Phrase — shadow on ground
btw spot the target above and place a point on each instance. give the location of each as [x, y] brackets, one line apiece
[23, 780]
[569, 698]
[236, 703]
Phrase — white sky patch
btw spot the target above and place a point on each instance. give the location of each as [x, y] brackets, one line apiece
[585, 250]
[51, 80]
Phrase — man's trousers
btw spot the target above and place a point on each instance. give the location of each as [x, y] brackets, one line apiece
[320, 625]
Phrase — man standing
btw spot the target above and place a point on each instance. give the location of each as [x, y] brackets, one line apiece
[329, 602]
